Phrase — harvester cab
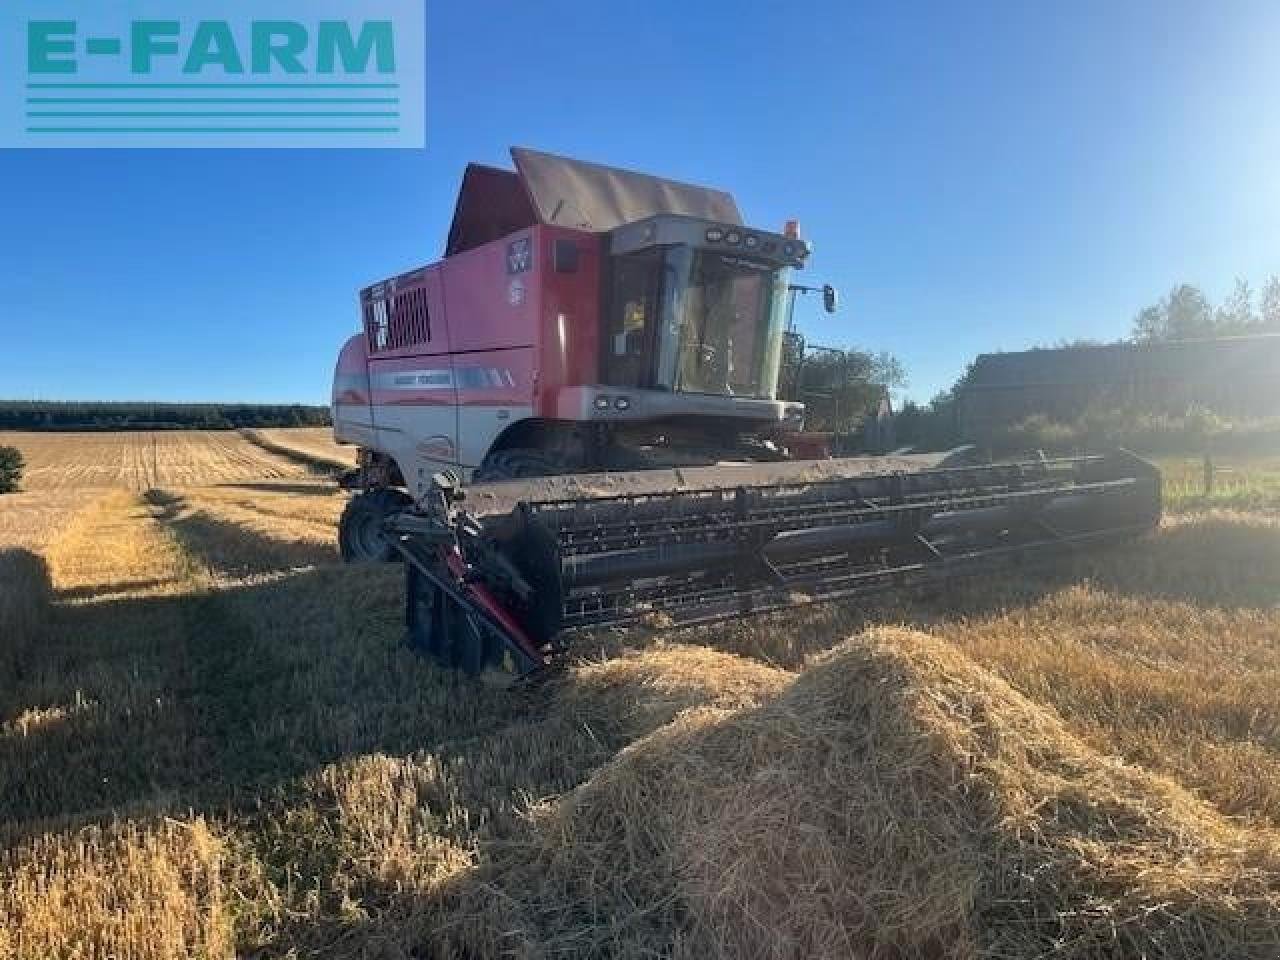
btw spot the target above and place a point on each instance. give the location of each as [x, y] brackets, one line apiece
[597, 356]
[697, 307]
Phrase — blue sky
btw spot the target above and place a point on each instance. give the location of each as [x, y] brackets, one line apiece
[973, 177]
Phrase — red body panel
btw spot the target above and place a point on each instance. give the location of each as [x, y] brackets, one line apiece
[515, 330]
[570, 315]
[455, 352]
[490, 307]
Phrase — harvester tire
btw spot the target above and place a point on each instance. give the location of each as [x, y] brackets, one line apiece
[517, 463]
[360, 536]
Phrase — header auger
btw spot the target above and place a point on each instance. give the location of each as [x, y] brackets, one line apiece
[597, 359]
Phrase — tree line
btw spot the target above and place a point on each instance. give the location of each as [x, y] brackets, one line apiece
[1186, 314]
[59, 415]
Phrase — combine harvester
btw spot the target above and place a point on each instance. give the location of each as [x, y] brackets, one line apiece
[598, 356]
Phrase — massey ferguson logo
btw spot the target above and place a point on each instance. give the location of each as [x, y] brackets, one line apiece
[519, 256]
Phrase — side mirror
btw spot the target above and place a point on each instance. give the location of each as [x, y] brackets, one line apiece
[830, 298]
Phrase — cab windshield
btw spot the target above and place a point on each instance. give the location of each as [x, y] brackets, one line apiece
[712, 320]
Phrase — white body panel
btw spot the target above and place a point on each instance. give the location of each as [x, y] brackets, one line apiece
[353, 423]
[421, 438]
[479, 426]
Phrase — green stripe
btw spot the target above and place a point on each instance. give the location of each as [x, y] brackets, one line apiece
[238, 100]
[225, 113]
[223, 86]
[102, 45]
[213, 129]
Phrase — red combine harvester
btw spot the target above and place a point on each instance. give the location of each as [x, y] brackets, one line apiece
[598, 356]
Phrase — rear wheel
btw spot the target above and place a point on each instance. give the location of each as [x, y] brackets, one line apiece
[361, 538]
[518, 463]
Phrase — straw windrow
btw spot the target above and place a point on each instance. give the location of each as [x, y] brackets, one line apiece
[897, 800]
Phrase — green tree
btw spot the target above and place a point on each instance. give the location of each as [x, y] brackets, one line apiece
[11, 467]
[1236, 315]
[1269, 306]
[931, 426]
[838, 387]
[1186, 314]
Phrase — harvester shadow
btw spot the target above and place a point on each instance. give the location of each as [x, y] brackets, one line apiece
[231, 549]
[316, 489]
[26, 593]
[1227, 561]
[205, 702]
[99, 591]
[201, 700]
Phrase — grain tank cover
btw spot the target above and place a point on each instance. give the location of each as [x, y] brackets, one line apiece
[588, 196]
[562, 192]
[492, 204]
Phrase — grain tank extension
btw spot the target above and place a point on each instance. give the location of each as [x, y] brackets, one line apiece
[572, 421]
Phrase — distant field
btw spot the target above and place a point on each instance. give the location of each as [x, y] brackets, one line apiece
[140, 461]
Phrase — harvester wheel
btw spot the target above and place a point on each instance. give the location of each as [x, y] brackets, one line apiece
[360, 535]
[517, 463]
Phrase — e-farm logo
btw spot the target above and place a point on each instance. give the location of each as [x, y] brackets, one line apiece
[230, 73]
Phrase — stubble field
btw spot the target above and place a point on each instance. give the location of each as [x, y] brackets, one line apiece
[310, 445]
[144, 460]
[214, 743]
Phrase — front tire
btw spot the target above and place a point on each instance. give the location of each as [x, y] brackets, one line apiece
[361, 538]
[517, 463]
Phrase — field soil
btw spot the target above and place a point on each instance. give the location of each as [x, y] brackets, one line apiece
[214, 743]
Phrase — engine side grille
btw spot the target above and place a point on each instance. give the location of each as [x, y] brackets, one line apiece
[399, 320]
